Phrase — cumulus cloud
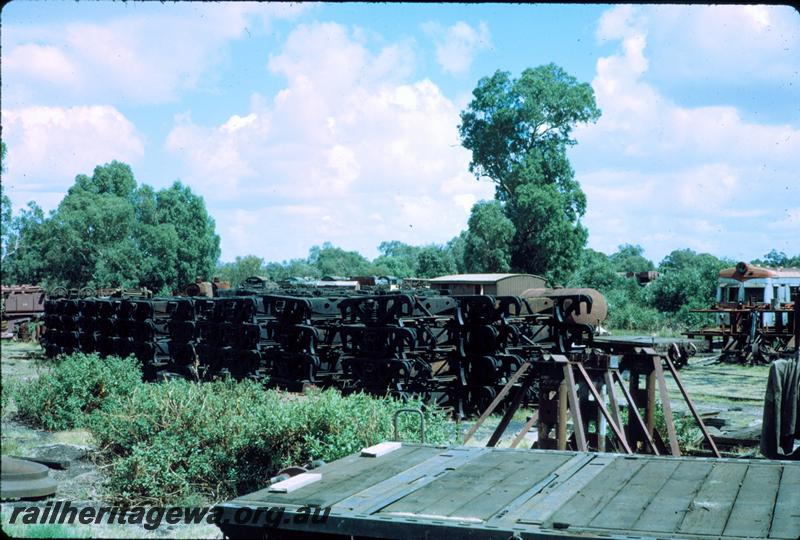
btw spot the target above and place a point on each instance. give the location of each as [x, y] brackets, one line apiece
[703, 176]
[141, 58]
[350, 150]
[720, 43]
[44, 141]
[457, 45]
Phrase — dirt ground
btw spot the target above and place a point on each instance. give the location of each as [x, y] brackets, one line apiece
[732, 395]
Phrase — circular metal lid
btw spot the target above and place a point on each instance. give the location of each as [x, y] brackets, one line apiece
[23, 479]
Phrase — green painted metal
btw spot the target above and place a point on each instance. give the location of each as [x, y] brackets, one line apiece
[423, 491]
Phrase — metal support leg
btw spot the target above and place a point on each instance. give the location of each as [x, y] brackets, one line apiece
[692, 408]
[666, 407]
[493, 405]
[574, 406]
[600, 405]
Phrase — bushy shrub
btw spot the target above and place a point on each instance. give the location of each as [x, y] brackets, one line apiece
[7, 392]
[78, 384]
[180, 441]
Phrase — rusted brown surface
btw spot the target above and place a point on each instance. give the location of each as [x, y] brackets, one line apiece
[743, 272]
[541, 301]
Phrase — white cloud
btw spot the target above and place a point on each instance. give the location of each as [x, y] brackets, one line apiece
[701, 177]
[141, 58]
[42, 141]
[350, 151]
[712, 42]
[44, 62]
[457, 45]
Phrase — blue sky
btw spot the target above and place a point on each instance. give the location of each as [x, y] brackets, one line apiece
[306, 123]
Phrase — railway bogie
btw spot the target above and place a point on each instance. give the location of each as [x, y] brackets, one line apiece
[457, 351]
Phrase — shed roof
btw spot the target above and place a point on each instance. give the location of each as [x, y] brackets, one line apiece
[478, 278]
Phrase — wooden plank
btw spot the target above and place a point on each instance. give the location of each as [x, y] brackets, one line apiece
[380, 449]
[599, 400]
[786, 520]
[451, 490]
[542, 506]
[561, 427]
[692, 408]
[354, 470]
[634, 418]
[531, 471]
[575, 409]
[613, 405]
[671, 503]
[751, 515]
[711, 506]
[382, 494]
[627, 505]
[589, 501]
[525, 429]
[666, 407]
[294, 483]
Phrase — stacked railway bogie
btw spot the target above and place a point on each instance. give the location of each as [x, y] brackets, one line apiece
[454, 350]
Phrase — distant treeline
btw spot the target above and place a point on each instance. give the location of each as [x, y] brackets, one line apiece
[110, 232]
[687, 280]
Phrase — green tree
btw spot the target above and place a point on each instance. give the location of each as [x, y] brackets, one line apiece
[776, 259]
[488, 241]
[109, 232]
[458, 246]
[396, 259]
[630, 258]
[5, 206]
[240, 269]
[21, 262]
[595, 271]
[277, 271]
[334, 261]
[198, 243]
[688, 280]
[518, 131]
[435, 261]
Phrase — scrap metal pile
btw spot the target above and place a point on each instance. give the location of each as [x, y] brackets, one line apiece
[456, 351]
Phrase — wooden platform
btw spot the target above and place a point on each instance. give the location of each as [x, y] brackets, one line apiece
[423, 491]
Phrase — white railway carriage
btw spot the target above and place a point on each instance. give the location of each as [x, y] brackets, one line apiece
[748, 284]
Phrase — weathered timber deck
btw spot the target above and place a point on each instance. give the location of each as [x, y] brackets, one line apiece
[423, 491]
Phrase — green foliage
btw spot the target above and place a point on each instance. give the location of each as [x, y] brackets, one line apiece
[242, 268]
[397, 259]
[776, 259]
[334, 261]
[687, 281]
[5, 205]
[630, 258]
[518, 131]
[109, 232]
[78, 385]
[435, 261]
[458, 246]
[488, 241]
[595, 271]
[7, 394]
[545, 243]
[178, 441]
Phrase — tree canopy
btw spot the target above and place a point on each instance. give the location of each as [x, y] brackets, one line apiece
[107, 231]
[488, 241]
[518, 131]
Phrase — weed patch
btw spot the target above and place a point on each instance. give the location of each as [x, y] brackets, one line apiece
[78, 385]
